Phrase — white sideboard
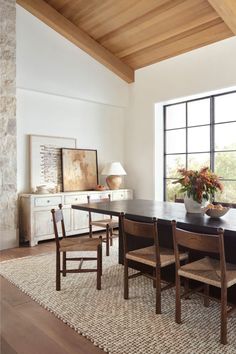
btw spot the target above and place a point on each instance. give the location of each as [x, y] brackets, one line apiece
[35, 220]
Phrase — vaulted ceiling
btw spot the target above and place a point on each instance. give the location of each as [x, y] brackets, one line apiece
[125, 35]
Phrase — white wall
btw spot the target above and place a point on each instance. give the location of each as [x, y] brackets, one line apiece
[61, 91]
[95, 126]
[200, 71]
[48, 62]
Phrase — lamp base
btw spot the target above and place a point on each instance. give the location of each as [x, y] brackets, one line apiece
[114, 182]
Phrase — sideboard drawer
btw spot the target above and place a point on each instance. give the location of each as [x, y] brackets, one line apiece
[99, 196]
[118, 195]
[76, 199]
[122, 194]
[47, 201]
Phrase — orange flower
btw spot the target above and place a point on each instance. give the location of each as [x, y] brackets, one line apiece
[199, 184]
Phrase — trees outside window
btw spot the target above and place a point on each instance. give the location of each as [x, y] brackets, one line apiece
[200, 133]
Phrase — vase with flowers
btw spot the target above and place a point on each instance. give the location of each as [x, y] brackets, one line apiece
[199, 188]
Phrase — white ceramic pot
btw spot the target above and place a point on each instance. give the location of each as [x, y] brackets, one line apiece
[192, 206]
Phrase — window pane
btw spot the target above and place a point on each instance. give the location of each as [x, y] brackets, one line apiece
[176, 141]
[225, 136]
[171, 190]
[225, 108]
[173, 163]
[229, 193]
[199, 139]
[176, 116]
[199, 112]
[197, 161]
[225, 164]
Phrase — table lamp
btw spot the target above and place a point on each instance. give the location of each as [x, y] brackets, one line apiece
[113, 171]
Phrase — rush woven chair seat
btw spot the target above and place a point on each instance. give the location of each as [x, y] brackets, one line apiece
[153, 256]
[74, 244]
[107, 223]
[207, 270]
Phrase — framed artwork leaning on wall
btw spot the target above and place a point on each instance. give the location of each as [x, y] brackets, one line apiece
[45, 159]
[79, 169]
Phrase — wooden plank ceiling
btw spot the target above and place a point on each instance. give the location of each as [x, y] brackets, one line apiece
[126, 35]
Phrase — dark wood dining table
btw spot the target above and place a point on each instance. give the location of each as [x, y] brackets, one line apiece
[145, 210]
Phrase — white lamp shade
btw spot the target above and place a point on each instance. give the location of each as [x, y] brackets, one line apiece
[113, 169]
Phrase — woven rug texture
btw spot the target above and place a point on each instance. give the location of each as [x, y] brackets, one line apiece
[116, 325]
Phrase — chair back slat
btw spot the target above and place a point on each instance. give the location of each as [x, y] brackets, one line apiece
[58, 215]
[104, 199]
[57, 218]
[200, 242]
[130, 228]
[139, 229]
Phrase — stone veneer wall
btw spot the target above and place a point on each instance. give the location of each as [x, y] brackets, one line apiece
[8, 177]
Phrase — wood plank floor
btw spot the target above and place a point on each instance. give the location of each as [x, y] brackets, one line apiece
[26, 327]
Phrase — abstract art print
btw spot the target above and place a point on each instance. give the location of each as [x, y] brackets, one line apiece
[79, 169]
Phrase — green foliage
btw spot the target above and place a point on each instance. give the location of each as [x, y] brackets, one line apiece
[225, 167]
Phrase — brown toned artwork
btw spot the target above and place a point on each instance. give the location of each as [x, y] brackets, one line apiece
[79, 169]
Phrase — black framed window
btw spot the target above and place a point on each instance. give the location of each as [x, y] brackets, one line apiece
[199, 133]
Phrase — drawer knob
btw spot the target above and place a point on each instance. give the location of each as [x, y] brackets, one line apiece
[76, 198]
[48, 201]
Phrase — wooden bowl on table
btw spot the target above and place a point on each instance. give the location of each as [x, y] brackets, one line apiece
[216, 211]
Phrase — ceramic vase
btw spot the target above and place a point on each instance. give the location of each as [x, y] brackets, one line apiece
[192, 206]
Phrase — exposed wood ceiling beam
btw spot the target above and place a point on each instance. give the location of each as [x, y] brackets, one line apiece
[59, 23]
[182, 43]
[227, 11]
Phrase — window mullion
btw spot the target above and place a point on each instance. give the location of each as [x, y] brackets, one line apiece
[164, 159]
[212, 133]
[186, 129]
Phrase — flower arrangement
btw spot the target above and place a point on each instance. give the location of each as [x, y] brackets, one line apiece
[200, 184]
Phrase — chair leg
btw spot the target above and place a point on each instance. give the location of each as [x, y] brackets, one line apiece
[64, 264]
[158, 290]
[99, 266]
[107, 240]
[100, 237]
[111, 239]
[126, 280]
[58, 268]
[206, 297]
[90, 231]
[223, 335]
[186, 287]
[177, 300]
[154, 278]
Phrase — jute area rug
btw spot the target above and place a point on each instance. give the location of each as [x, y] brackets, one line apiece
[116, 325]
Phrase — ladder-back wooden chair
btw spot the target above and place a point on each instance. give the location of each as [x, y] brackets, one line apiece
[209, 271]
[153, 256]
[107, 223]
[74, 244]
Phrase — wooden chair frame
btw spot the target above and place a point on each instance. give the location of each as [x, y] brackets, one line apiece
[150, 230]
[205, 243]
[109, 225]
[57, 217]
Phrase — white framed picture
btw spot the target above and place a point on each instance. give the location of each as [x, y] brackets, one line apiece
[46, 161]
